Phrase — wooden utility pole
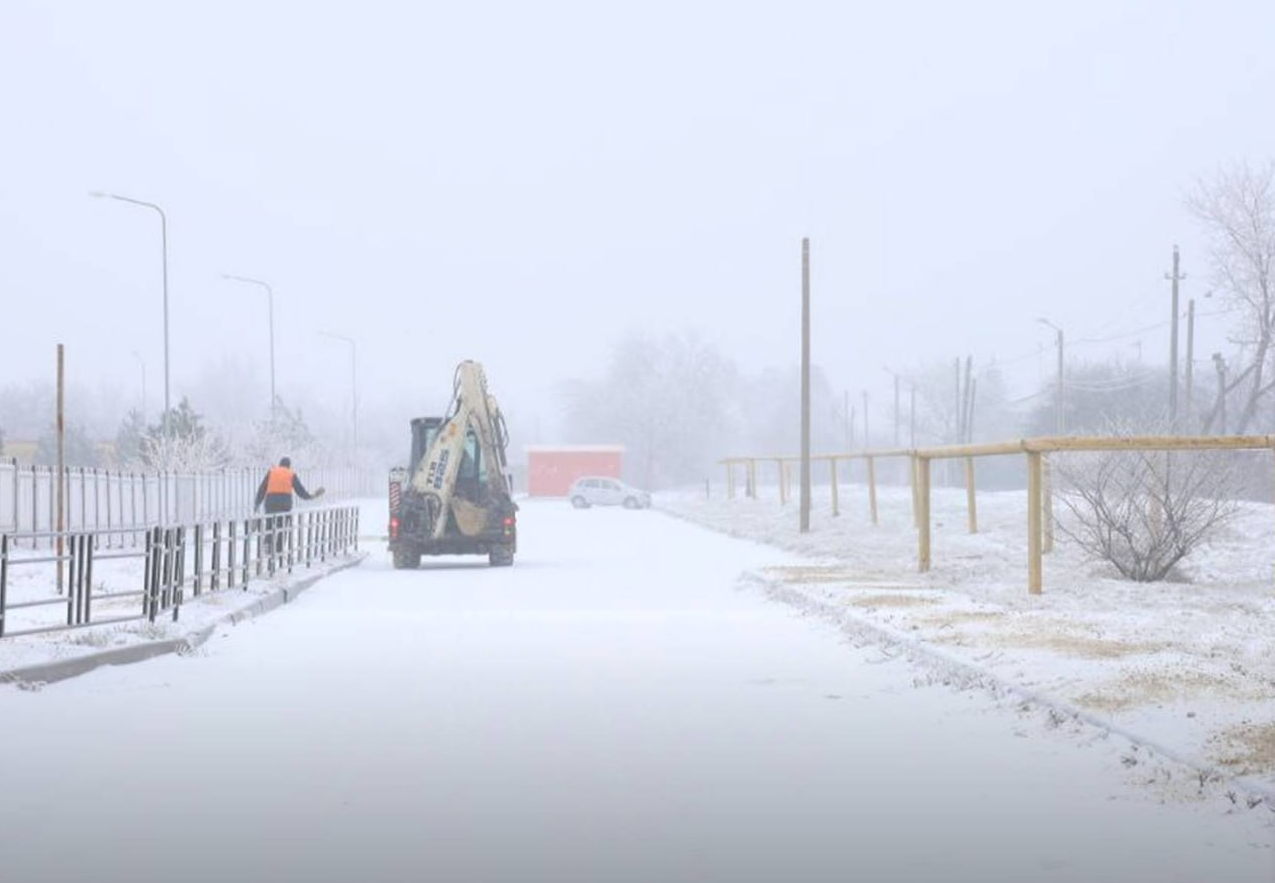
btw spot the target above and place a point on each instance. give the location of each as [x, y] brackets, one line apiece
[1190, 361]
[805, 385]
[1220, 364]
[60, 487]
[1175, 278]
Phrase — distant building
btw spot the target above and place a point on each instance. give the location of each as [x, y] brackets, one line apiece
[552, 468]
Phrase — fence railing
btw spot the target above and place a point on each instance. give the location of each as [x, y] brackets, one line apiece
[106, 500]
[169, 566]
[1040, 518]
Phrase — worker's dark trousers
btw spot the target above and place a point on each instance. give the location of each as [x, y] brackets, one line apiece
[278, 523]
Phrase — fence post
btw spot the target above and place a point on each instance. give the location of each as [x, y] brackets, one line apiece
[199, 559]
[248, 525]
[214, 578]
[16, 526]
[110, 519]
[1047, 492]
[971, 506]
[150, 600]
[913, 461]
[232, 545]
[923, 512]
[1034, 512]
[179, 568]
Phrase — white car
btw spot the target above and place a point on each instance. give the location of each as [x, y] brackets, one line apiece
[600, 491]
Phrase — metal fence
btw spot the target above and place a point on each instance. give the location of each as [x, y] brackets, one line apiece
[166, 568]
[112, 501]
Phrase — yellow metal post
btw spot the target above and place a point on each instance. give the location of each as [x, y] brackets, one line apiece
[730, 480]
[872, 487]
[1035, 511]
[971, 506]
[923, 513]
[1047, 491]
[783, 483]
[912, 469]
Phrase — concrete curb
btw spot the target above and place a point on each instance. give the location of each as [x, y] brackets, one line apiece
[918, 651]
[61, 669]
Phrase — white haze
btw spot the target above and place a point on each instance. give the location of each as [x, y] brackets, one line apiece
[524, 183]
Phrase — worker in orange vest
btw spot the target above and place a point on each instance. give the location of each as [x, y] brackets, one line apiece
[278, 486]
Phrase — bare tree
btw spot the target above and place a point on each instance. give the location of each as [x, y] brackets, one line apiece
[1238, 209]
[1144, 511]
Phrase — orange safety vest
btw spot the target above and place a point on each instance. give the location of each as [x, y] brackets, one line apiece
[279, 480]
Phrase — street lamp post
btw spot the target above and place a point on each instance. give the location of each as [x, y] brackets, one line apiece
[163, 234]
[270, 301]
[354, 388]
[1058, 412]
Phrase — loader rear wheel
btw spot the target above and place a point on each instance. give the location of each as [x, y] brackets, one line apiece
[502, 557]
[407, 559]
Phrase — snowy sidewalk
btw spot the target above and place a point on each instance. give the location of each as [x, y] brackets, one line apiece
[1188, 665]
[59, 654]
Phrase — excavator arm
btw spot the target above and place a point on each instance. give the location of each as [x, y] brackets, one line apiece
[473, 410]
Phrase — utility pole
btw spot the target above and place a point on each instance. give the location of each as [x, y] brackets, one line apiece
[1059, 421]
[805, 385]
[1175, 278]
[1190, 360]
[1220, 364]
[61, 487]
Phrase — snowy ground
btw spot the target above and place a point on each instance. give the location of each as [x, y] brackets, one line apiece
[1189, 664]
[616, 706]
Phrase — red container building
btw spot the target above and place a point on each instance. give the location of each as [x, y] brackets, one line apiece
[552, 468]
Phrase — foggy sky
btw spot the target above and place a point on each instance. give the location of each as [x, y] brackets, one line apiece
[521, 183]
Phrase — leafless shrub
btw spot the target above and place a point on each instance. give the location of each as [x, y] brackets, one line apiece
[1144, 511]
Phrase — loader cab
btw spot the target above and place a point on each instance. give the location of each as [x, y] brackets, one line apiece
[471, 475]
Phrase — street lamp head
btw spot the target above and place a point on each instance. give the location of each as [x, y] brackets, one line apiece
[98, 194]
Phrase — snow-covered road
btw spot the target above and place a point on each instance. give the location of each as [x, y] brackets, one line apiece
[613, 707]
